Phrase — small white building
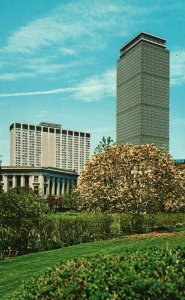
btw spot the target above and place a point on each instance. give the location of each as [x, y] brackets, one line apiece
[43, 180]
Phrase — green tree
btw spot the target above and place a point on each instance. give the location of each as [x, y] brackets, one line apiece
[20, 217]
[135, 179]
[103, 144]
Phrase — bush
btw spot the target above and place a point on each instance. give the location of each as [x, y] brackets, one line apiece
[133, 223]
[136, 223]
[20, 217]
[142, 274]
[168, 220]
[64, 230]
[65, 202]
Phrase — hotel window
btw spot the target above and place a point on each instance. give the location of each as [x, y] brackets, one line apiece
[32, 127]
[24, 126]
[17, 125]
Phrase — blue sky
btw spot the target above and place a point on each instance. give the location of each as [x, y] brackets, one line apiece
[58, 62]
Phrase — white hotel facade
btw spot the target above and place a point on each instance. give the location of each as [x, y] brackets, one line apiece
[48, 145]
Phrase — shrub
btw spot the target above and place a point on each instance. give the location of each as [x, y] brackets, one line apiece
[20, 216]
[64, 230]
[133, 223]
[52, 202]
[142, 274]
[67, 202]
[168, 220]
[136, 223]
[63, 203]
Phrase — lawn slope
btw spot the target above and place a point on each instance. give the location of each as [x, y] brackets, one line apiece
[14, 270]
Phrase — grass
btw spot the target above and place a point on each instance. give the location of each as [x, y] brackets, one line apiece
[15, 270]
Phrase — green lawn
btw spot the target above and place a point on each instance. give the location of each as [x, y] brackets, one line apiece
[14, 270]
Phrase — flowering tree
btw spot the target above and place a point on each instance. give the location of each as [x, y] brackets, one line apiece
[126, 178]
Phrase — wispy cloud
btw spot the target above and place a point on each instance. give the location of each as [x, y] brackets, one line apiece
[86, 20]
[67, 37]
[177, 68]
[14, 76]
[97, 87]
[93, 89]
[35, 93]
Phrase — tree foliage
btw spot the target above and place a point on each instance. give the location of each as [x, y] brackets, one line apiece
[126, 178]
[20, 215]
[103, 144]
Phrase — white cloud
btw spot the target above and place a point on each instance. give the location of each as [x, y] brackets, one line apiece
[34, 93]
[73, 21]
[14, 76]
[177, 67]
[93, 89]
[67, 51]
[97, 87]
[49, 44]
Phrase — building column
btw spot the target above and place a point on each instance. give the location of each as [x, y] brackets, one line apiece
[58, 187]
[53, 186]
[31, 181]
[63, 186]
[5, 183]
[48, 188]
[22, 181]
[14, 181]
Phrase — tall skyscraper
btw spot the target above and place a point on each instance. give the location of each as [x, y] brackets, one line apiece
[143, 92]
[48, 145]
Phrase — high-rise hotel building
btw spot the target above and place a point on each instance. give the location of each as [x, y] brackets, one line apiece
[48, 145]
[143, 92]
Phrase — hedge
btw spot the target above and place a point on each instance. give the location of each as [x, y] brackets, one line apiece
[143, 223]
[64, 230]
[141, 274]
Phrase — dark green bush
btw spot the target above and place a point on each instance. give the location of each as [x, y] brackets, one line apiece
[168, 220]
[142, 274]
[64, 229]
[136, 223]
[66, 202]
[20, 217]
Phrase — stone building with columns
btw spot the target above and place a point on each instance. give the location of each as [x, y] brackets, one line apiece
[43, 180]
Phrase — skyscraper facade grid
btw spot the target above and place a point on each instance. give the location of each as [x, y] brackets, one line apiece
[142, 112]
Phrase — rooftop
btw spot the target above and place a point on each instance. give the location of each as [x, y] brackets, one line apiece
[143, 36]
[47, 124]
[6, 169]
